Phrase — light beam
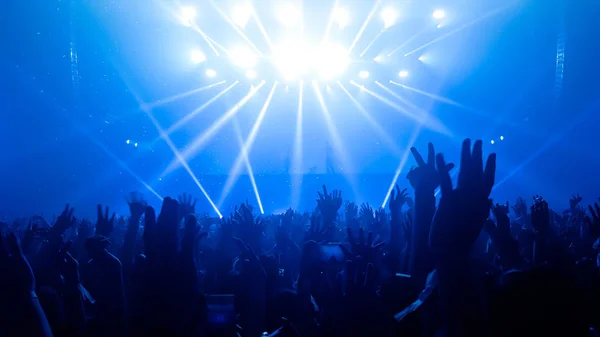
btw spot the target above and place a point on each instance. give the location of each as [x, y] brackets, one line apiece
[201, 140]
[234, 172]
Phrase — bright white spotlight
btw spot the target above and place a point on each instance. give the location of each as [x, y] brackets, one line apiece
[243, 57]
[363, 74]
[211, 73]
[187, 15]
[492, 142]
[332, 61]
[422, 58]
[341, 17]
[288, 15]
[501, 137]
[292, 59]
[439, 14]
[403, 73]
[135, 144]
[251, 74]
[378, 59]
[388, 15]
[197, 56]
[127, 141]
[241, 14]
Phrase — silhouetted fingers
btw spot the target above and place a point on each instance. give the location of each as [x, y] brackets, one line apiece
[430, 154]
[445, 181]
[417, 156]
[489, 175]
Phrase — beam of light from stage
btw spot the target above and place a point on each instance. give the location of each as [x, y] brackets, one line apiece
[198, 110]
[371, 43]
[403, 161]
[170, 99]
[337, 140]
[248, 166]
[201, 140]
[181, 160]
[234, 172]
[456, 30]
[237, 29]
[437, 97]
[431, 121]
[551, 142]
[398, 108]
[121, 163]
[364, 25]
[297, 156]
[223, 49]
[206, 38]
[378, 129]
[409, 40]
[330, 22]
[262, 29]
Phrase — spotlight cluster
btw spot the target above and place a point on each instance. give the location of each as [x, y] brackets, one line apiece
[294, 58]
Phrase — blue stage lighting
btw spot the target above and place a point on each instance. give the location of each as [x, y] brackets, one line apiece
[439, 14]
[363, 74]
[243, 57]
[210, 73]
[341, 17]
[332, 62]
[241, 14]
[197, 56]
[403, 73]
[389, 16]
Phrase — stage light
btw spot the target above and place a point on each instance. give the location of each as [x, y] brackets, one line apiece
[363, 74]
[439, 14]
[388, 15]
[341, 17]
[333, 61]
[292, 59]
[187, 14]
[135, 144]
[127, 141]
[243, 57]
[211, 73]
[422, 58]
[378, 59]
[251, 74]
[501, 137]
[403, 73]
[241, 14]
[197, 56]
[439, 26]
[492, 142]
[288, 15]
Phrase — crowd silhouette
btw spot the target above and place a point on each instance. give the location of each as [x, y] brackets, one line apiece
[457, 265]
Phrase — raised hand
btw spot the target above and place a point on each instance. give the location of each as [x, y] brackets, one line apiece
[187, 205]
[329, 204]
[424, 177]
[137, 205]
[462, 210]
[64, 221]
[366, 214]
[593, 221]
[502, 226]
[520, 208]
[574, 201]
[540, 216]
[397, 200]
[351, 211]
[104, 224]
[367, 250]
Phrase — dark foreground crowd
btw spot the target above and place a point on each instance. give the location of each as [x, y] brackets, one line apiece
[462, 266]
